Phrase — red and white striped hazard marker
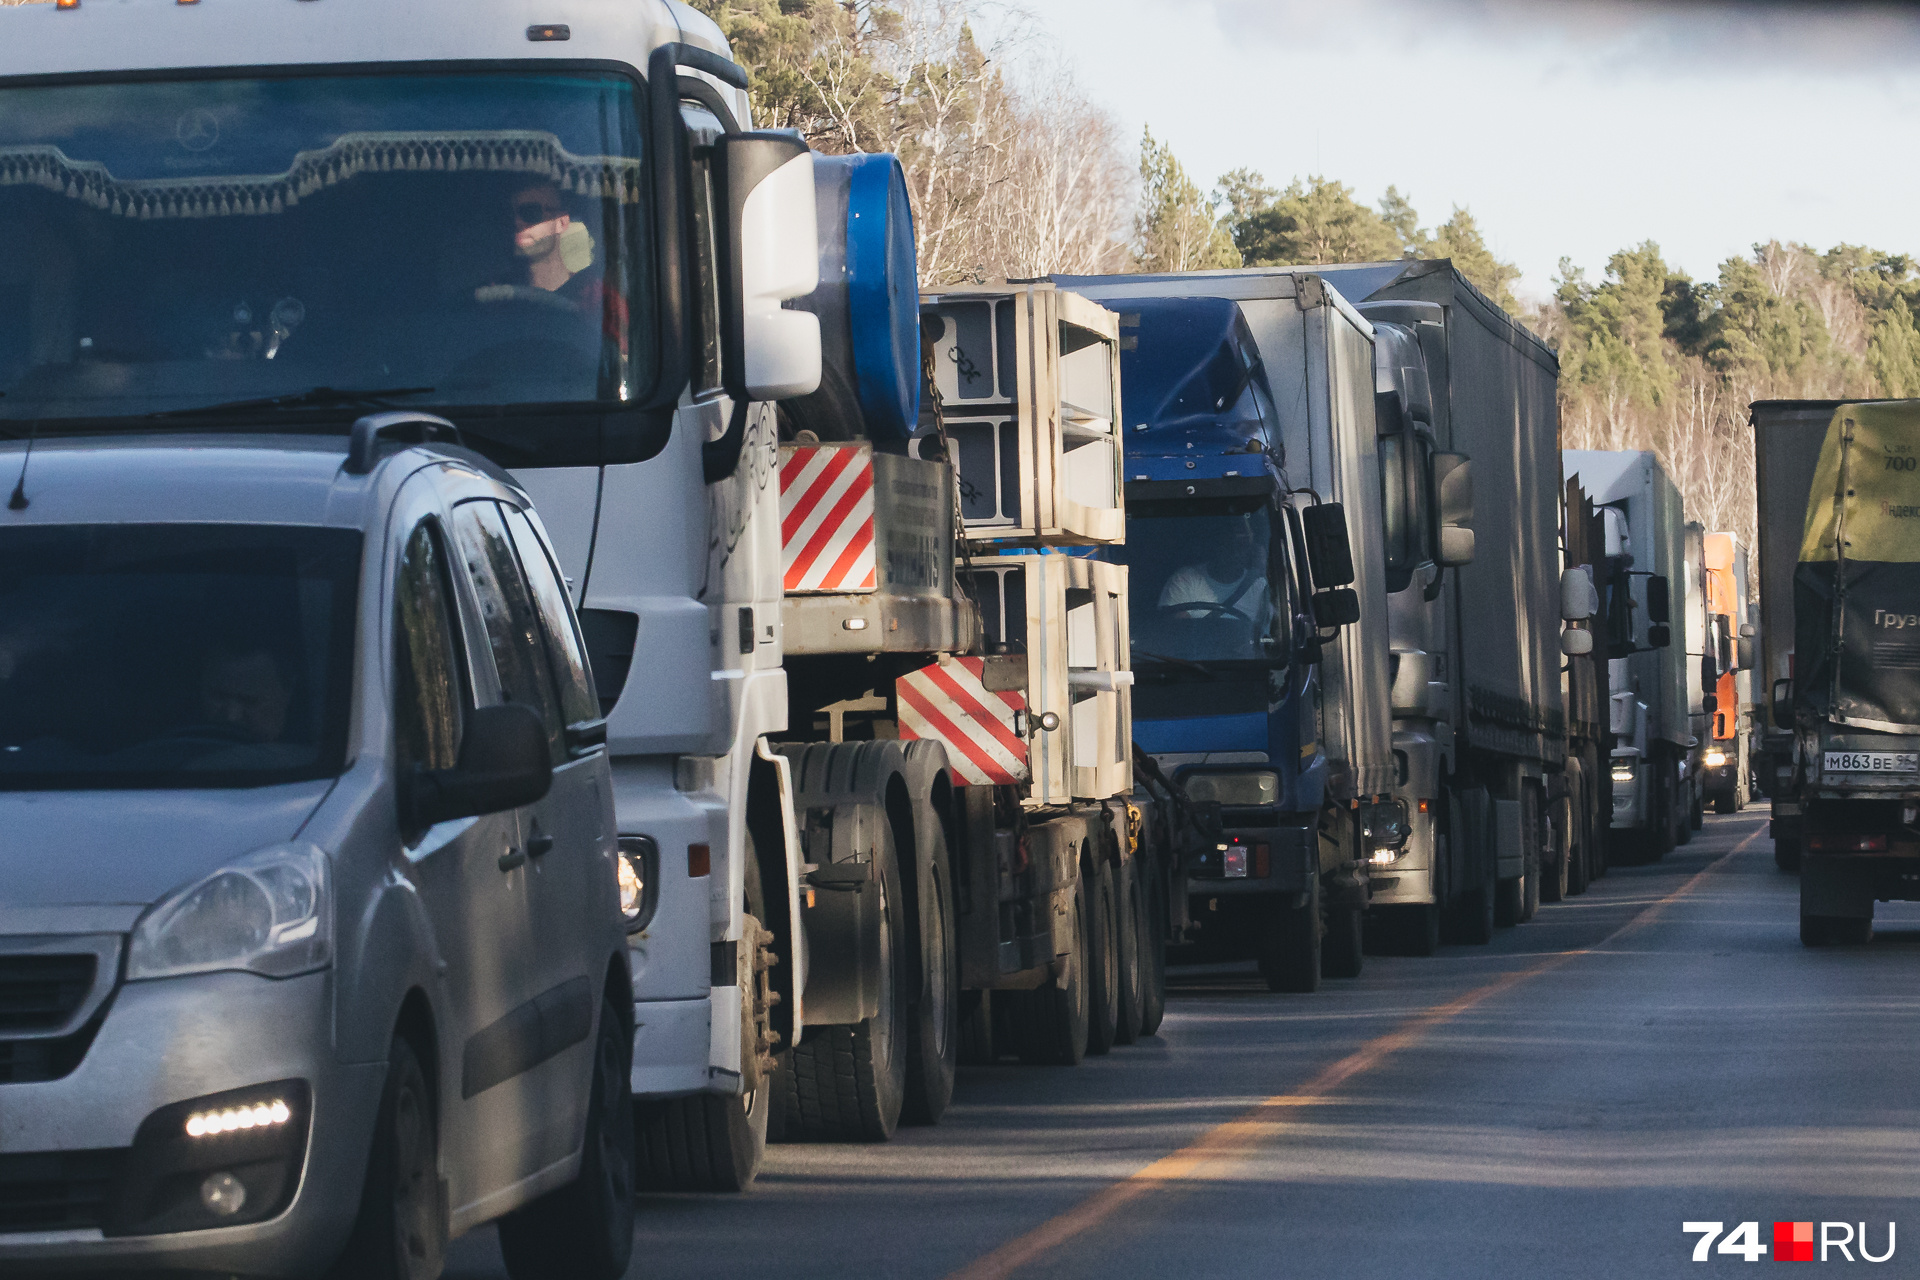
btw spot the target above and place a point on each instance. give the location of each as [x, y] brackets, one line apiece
[949, 703]
[826, 518]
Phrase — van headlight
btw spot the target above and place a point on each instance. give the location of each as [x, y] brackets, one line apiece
[269, 913]
[637, 873]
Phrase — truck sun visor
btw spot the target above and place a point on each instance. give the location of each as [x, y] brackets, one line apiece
[868, 303]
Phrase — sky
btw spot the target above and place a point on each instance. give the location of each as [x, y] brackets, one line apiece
[1571, 128]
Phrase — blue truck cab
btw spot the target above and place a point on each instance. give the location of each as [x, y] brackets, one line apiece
[1224, 642]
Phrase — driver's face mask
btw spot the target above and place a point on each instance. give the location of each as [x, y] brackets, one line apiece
[575, 246]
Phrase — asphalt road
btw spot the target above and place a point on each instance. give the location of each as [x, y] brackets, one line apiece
[1656, 1051]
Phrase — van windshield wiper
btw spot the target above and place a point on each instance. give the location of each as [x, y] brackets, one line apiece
[316, 397]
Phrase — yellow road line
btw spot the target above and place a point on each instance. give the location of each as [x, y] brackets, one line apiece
[1227, 1143]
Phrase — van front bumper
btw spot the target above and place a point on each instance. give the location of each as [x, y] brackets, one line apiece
[76, 1143]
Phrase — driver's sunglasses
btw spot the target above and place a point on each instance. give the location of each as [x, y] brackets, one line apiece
[530, 212]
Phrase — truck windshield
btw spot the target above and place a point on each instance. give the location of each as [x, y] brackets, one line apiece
[475, 239]
[1199, 582]
[174, 655]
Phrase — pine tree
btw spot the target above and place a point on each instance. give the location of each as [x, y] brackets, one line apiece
[1313, 222]
[1459, 238]
[1175, 228]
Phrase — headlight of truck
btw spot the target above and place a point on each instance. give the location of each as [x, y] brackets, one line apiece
[269, 913]
[1386, 829]
[1715, 759]
[1254, 787]
[1623, 773]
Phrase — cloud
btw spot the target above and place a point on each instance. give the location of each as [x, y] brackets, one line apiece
[1630, 37]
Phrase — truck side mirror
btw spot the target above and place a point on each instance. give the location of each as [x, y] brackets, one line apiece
[1743, 653]
[1575, 643]
[1329, 554]
[1389, 415]
[1658, 637]
[1453, 483]
[1337, 608]
[1709, 673]
[1659, 604]
[1783, 703]
[773, 254]
[1578, 600]
[1748, 630]
[1710, 703]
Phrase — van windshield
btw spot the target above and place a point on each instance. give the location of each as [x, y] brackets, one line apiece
[174, 655]
[453, 239]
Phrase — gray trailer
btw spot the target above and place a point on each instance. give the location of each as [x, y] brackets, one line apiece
[1646, 537]
[1483, 638]
[1787, 435]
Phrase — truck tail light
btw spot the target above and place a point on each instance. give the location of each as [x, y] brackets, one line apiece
[1846, 842]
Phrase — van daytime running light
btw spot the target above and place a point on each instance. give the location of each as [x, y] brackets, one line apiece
[205, 1124]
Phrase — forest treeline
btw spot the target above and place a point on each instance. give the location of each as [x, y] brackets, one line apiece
[1015, 172]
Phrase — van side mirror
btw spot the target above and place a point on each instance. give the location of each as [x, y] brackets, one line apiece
[1453, 486]
[1783, 703]
[503, 765]
[1329, 553]
[772, 254]
[1659, 604]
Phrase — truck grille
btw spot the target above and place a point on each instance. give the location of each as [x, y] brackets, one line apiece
[39, 993]
[56, 1190]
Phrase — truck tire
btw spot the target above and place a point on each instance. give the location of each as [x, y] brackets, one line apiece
[933, 1050]
[1103, 954]
[1408, 930]
[1835, 931]
[584, 1230]
[1786, 854]
[849, 1083]
[1726, 803]
[1153, 950]
[1049, 1023]
[1290, 945]
[1342, 949]
[1660, 818]
[1471, 918]
[706, 1142]
[1696, 817]
[976, 1046]
[1510, 902]
[1133, 961]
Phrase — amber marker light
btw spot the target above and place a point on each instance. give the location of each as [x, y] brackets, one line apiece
[66, 4]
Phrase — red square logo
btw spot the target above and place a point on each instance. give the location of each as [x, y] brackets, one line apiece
[1793, 1242]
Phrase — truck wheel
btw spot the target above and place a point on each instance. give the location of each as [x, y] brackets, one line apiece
[1786, 855]
[1530, 887]
[1727, 803]
[1049, 1023]
[1510, 901]
[1342, 949]
[1696, 816]
[1409, 930]
[977, 1041]
[1132, 939]
[1290, 947]
[1153, 951]
[584, 1230]
[707, 1142]
[1103, 956]
[1835, 931]
[934, 1049]
[848, 1084]
[1579, 863]
[401, 1231]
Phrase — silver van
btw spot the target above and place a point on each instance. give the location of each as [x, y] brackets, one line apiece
[313, 923]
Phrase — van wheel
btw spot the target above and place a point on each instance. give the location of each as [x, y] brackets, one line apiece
[584, 1230]
[401, 1233]
[848, 1084]
[1103, 955]
[1049, 1023]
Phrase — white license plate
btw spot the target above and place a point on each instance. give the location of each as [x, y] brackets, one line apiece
[1871, 762]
